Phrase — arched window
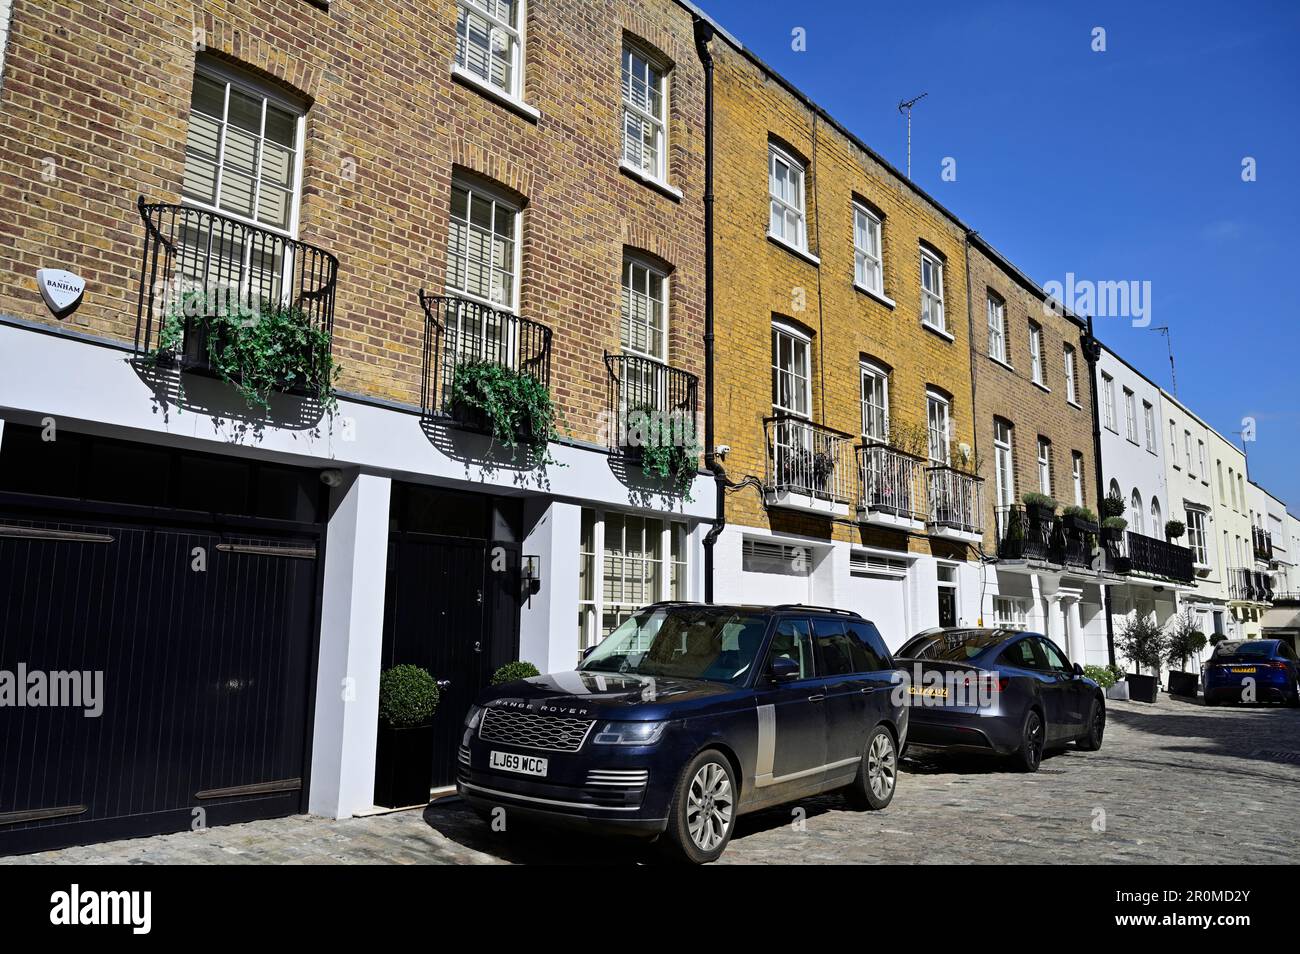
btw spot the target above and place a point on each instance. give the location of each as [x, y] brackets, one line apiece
[1157, 519]
[1114, 491]
[1137, 515]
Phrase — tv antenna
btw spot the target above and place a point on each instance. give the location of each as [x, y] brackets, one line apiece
[906, 105]
[1169, 344]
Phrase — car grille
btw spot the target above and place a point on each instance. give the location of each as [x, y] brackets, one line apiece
[618, 778]
[531, 731]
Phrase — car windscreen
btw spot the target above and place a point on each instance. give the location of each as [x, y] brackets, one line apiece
[956, 645]
[706, 643]
[1259, 648]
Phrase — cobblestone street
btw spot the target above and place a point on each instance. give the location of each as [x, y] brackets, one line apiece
[1173, 783]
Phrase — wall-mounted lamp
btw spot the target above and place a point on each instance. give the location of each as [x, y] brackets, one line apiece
[530, 571]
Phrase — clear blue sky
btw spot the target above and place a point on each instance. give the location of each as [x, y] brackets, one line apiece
[1116, 165]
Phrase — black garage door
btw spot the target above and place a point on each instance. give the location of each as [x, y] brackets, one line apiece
[159, 669]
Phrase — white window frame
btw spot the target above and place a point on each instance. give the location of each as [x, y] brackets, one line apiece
[1149, 423]
[1004, 469]
[1173, 444]
[1036, 353]
[1076, 475]
[1157, 519]
[230, 78]
[633, 264]
[515, 34]
[1130, 416]
[498, 200]
[938, 408]
[1044, 465]
[866, 264]
[1108, 402]
[593, 609]
[1187, 451]
[1071, 385]
[1136, 507]
[797, 177]
[932, 297]
[1200, 458]
[997, 319]
[800, 344]
[870, 371]
[1010, 613]
[631, 53]
[1196, 537]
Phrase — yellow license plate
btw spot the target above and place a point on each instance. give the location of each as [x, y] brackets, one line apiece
[929, 691]
[1243, 668]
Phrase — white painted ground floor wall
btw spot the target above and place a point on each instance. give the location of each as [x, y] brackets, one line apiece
[83, 385]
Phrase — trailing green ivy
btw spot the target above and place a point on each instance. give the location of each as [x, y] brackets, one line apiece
[276, 348]
[517, 406]
[668, 447]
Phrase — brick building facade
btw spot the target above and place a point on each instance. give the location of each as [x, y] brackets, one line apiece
[821, 248]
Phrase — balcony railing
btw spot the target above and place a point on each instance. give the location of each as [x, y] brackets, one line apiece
[198, 265]
[1043, 537]
[954, 503]
[809, 466]
[891, 483]
[1159, 557]
[649, 400]
[1263, 541]
[1250, 586]
[460, 332]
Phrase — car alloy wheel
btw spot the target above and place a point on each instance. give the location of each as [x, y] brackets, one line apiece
[1032, 750]
[709, 806]
[882, 766]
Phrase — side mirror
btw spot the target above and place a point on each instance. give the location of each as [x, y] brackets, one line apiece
[1078, 670]
[782, 669]
[588, 651]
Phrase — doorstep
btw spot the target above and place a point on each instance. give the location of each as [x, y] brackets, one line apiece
[435, 795]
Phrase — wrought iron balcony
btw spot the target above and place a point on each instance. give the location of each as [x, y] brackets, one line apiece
[892, 492]
[1159, 558]
[1263, 541]
[1249, 586]
[199, 266]
[1025, 533]
[809, 466]
[647, 401]
[460, 333]
[954, 504]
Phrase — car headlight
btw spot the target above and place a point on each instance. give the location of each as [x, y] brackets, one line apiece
[473, 717]
[630, 733]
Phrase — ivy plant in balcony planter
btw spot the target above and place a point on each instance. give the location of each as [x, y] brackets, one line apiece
[408, 699]
[256, 351]
[1174, 529]
[666, 446]
[1040, 507]
[514, 407]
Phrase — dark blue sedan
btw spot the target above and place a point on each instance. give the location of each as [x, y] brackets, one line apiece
[688, 716]
[1000, 692]
[1255, 670]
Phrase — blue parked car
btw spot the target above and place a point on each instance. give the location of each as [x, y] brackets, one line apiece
[688, 716]
[1255, 670]
[999, 692]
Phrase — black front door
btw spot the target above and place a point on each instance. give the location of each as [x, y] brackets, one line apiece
[452, 605]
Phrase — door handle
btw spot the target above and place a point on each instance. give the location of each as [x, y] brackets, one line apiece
[819, 697]
[866, 689]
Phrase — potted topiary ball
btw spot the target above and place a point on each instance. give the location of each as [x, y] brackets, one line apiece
[408, 698]
[513, 672]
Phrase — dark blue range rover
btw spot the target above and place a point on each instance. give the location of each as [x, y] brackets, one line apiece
[686, 717]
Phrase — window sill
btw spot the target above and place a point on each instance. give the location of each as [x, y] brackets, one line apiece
[654, 182]
[1041, 386]
[945, 335]
[487, 89]
[872, 293]
[999, 361]
[1133, 442]
[803, 253]
[1074, 404]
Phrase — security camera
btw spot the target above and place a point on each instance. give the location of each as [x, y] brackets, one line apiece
[723, 450]
[331, 478]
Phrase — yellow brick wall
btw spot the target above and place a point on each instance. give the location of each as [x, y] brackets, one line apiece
[757, 279]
